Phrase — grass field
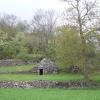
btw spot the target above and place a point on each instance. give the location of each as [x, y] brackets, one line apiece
[45, 94]
[48, 94]
[15, 68]
[55, 77]
[30, 77]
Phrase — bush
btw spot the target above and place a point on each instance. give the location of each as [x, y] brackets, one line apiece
[7, 51]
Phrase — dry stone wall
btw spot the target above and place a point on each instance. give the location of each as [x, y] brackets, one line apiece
[46, 84]
[12, 62]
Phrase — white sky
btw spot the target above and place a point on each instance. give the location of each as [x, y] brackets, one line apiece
[25, 9]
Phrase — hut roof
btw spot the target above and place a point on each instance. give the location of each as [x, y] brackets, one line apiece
[46, 63]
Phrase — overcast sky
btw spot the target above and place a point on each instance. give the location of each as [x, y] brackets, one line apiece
[25, 9]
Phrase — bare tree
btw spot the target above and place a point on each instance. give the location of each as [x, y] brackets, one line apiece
[82, 13]
[8, 24]
[43, 24]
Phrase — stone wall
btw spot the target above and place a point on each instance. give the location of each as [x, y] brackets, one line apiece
[47, 84]
[12, 62]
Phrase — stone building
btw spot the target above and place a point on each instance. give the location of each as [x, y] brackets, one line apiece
[45, 66]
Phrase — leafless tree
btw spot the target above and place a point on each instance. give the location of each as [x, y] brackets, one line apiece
[8, 24]
[43, 24]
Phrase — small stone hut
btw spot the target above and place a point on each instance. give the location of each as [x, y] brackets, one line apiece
[45, 66]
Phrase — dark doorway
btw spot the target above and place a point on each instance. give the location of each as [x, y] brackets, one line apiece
[41, 72]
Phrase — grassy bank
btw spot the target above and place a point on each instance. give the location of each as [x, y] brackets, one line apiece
[53, 77]
[30, 77]
[16, 68]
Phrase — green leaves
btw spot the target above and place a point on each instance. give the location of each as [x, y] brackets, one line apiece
[68, 47]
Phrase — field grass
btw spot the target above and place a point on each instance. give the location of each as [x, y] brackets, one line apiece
[30, 77]
[55, 77]
[45, 94]
[49, 94]
[15, 68]
[95, 77]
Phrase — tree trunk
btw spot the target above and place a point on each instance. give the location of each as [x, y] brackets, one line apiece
[84, 50]
[85, 59]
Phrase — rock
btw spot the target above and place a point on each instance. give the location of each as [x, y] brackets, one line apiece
[47, 84]
[73, 69]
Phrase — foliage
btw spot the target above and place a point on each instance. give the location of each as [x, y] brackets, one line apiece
[50, 51]
[68, 47]
[7, 50]
[25, 56]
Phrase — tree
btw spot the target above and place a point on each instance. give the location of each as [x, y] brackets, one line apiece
[82, 13]
[43, 24]
[8, 24]
[22, 26]
[68, 47]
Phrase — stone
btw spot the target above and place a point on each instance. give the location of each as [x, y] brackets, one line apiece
[47, 84]
[73, 69]
[14, 62]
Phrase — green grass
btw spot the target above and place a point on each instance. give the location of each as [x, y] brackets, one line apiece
[95, 77]
[15, 68]
[54, 77]
[49, 94]
[30, 77]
